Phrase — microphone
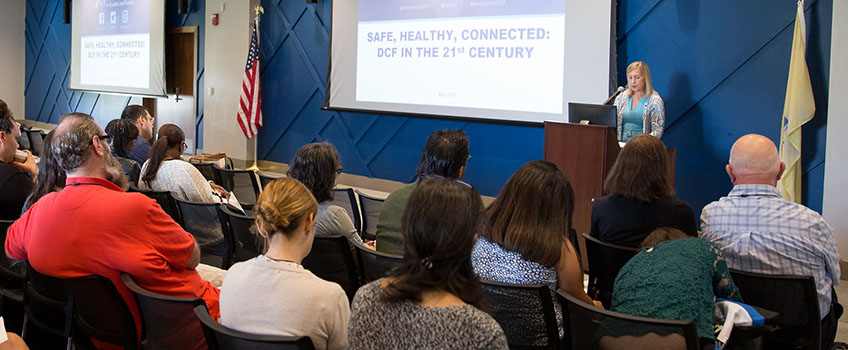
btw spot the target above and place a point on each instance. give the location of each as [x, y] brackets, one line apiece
[614, 95]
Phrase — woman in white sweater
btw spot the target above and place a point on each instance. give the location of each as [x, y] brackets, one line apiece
[273, 293]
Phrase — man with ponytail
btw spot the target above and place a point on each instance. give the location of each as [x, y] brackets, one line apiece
[92, 227]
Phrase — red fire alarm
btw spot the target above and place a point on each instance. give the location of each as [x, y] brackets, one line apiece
[215, 19]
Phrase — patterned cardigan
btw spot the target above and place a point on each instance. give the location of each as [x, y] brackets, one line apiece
[653, 119]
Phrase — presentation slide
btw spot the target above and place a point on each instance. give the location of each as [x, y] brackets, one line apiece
[446, 52]
[117, 46]
[512, 60]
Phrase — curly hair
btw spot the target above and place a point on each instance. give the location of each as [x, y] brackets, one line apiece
[315, 165]
[72, 140]
[123, 133]
[7, 122]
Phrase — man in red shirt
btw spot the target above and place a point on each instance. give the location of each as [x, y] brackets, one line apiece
[94, 227]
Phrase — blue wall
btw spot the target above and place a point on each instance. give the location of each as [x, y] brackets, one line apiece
[720, 66]
[48, 53]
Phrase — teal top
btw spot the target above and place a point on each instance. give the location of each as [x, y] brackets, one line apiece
[631, 119]
[675, 280]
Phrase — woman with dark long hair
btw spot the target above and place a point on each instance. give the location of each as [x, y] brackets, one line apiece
[640, 196]
[123, 134]
[316, 166]
[529, 241]
[51, 177]
[433, 299]
[166, 171]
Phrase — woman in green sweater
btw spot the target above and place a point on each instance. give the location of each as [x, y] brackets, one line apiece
[675, 278]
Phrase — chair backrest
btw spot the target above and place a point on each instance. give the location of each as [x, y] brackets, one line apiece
[370, 214]
[265, 179]
[221, 337]
[200, 218]
[166, 201]
[591, 328]
[605, 260]
[793, 297]
[331, 258]
[240, 182]
[525, 312]
[10, 276]
[100, 312]
[244, 242]
[36, 139]
[23, 140]
[47, 303]
[208, 171]
[373, 264]
[168, 322]
[345, 198]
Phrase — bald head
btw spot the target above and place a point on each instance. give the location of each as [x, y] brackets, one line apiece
[754, 160]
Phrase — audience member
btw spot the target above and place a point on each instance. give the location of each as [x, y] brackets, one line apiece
[124, 134]
[15, 177]
[528, 242]
[445, 154]
[51, 177]
[273, 293]
[675, 278]
[641, 196]
[433, 298]
[93, 227]
[140, 117]
[316, 165]
[761, 232]
[166, 171]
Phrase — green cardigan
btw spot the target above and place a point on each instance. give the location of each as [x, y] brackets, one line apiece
[389, 234]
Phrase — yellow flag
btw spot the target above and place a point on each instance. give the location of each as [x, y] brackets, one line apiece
[798, 108]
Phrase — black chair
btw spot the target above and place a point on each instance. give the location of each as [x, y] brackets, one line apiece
[331, 258]
[12, 276]
[100, 312]
[167, 322]
[591, 328]
[265, 179]
[373, 264]
[240, 182]
[208, 171]
[23, 140]
[346, 198]
[370, 206]
[208, 224]
[36, 139]
[165, 200]
[794, 298]
[243, 240]
[221, 337]
[605, 260]
[525, 312]
[48, 305]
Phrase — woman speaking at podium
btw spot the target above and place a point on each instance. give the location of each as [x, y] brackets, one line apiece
[640, 108]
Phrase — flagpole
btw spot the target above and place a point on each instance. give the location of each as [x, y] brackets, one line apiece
[258, 9]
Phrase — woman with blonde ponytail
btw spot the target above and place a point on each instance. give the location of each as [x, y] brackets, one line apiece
[286, 299]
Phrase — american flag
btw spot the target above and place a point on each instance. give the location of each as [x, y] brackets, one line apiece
[250, 114]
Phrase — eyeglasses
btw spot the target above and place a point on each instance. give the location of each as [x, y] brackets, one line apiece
[104, 137]
[468, 160]
[339, 170]
[183, 147]
[440, 177]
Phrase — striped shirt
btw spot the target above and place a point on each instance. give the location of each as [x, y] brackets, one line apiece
[761, 232]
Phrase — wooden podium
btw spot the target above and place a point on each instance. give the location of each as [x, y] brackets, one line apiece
[585, 153]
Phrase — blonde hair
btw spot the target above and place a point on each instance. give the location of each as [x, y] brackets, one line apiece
[646, 74]
[283, 205]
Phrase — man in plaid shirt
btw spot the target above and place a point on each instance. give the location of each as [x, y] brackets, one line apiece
[761, 232]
